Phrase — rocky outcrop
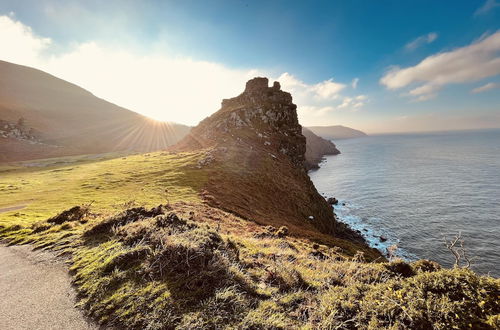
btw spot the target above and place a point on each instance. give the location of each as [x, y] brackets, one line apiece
[262, 116]
[17, 131]
[316, 149]
[256, 148]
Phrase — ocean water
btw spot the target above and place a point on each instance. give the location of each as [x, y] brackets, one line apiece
[416, 189]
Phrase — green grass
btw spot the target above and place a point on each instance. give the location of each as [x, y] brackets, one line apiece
[50, 188]
[144, 268]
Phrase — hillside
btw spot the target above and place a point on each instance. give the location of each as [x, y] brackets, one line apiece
[316, 148]
[336, 132]
[226, 231]
[65, 119]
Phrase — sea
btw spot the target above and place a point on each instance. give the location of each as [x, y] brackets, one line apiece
[413, 192]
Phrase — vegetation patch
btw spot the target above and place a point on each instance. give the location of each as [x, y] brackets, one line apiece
[150, 254]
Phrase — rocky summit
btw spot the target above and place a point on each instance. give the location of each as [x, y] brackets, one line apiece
[256, 145]
[261, 115]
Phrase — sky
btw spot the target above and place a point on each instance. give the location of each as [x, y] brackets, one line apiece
[379, 66]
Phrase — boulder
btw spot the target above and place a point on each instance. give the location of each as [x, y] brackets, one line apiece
[332, 201]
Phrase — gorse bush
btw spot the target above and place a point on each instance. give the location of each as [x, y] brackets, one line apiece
[446, 299]
[191, 267]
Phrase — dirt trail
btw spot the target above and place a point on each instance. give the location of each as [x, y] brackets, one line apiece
[12, 208]
[36, 292]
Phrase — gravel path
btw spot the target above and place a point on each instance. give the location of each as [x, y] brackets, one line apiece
[36, 292]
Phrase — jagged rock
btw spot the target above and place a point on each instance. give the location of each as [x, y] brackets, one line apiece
[332, 201]
[267, 111]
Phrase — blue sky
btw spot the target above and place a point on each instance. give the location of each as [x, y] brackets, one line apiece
[319, 49]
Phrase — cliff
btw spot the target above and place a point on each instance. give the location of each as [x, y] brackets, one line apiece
[316, 149]
[259, 150]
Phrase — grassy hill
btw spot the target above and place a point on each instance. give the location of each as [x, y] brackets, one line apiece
[189, 265]
[68, 120]
[215, 233]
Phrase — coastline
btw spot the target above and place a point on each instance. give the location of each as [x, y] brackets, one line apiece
[376, 238]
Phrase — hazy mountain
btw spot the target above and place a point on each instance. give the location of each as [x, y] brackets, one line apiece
[60, 118]
[336, 132]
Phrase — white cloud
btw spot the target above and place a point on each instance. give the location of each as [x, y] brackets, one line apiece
[485, 88]
[19, 44]
[324, 91]
[347, 101]
[425, 89]
[471, 63]
[155, 84]
[486, 7]
[425, 97]
[353, 103]
[327, 89]
[420, 41]
[321, 98]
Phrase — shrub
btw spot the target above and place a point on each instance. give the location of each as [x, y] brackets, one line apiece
[285, 278]
[73, 214]
[443, 299]
[399, 267]
[127, 216]
[282, 231]
[39, 227]
[425, 265]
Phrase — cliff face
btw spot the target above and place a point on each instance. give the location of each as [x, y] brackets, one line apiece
[256, 147]
[316, 148]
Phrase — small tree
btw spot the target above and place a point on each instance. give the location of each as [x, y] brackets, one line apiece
[456, 247]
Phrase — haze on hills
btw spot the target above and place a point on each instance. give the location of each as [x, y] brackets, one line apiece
[59, 118]
[336, 132]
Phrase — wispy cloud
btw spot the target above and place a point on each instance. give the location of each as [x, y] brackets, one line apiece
[474, 62]
[488, 6]
[484, 88]
[354, 83]
[420, 41]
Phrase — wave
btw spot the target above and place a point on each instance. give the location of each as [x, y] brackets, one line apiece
[377, 237]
